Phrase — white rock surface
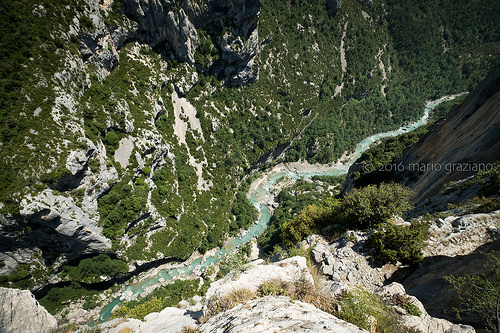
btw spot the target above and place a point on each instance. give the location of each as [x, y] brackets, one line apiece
[169, 320]
[288, 270]
[276, 314]
[20, 312]
[65, 217]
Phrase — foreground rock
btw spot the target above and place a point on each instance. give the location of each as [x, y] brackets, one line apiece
[345, 261]
[288, 270]
[169, 320]
[277, 314]
[20, 313]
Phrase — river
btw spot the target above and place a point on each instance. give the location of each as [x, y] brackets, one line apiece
[261, 197]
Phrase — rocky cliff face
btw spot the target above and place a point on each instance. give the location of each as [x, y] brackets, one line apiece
[172, 29]
[467, 141]
[20, 313]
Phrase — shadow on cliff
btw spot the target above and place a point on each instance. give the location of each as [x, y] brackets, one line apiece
[121, 279]
[426, 281]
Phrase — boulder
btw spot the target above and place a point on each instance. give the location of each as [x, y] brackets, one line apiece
[169, 320]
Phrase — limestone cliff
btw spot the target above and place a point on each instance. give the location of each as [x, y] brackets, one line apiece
[466, 141]
[21, 313]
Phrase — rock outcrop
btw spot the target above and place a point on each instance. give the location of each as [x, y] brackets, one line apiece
[160, 25]
[459, 236]
[169, 320]
[277, 314]
[171, 28]
[20, 313]
[345, 261]
[288, 270]
[55, 223]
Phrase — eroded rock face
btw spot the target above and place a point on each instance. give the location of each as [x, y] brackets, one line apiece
[160, 25]
[171, 28]
[52, 223]
[277, 314]
[20, 313]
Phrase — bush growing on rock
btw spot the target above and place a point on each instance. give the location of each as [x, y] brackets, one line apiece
[373, 205]
[398, 243]
[479, 295]
[367, 310]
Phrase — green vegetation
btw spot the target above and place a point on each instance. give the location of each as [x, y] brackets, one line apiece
[359, 306]
[244, 211]
[308, 221]
[412, 310]
[120, 206]
[58, 297]
[368, 207]
[160, 298]
[235, 262]
[372, 206]
[479, 295]
[25, 276]
[386, 151]
[291, 201]
[90, 270]
[31, 52]
[398, 243]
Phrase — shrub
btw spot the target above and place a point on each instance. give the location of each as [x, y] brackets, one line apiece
[367, 310]
[308, 221]
[373, 205]
[412, 309]
[274, 287]
[397, 243]
[479, 295]
[91, 269]
[220, 304]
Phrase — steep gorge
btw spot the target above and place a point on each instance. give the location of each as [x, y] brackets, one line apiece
[93, 159]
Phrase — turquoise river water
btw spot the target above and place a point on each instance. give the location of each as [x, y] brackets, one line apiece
[257, 196]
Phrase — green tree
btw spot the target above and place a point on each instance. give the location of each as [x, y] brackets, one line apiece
[479, 295]
[398, 243]
[373, 205]
[305, 223]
